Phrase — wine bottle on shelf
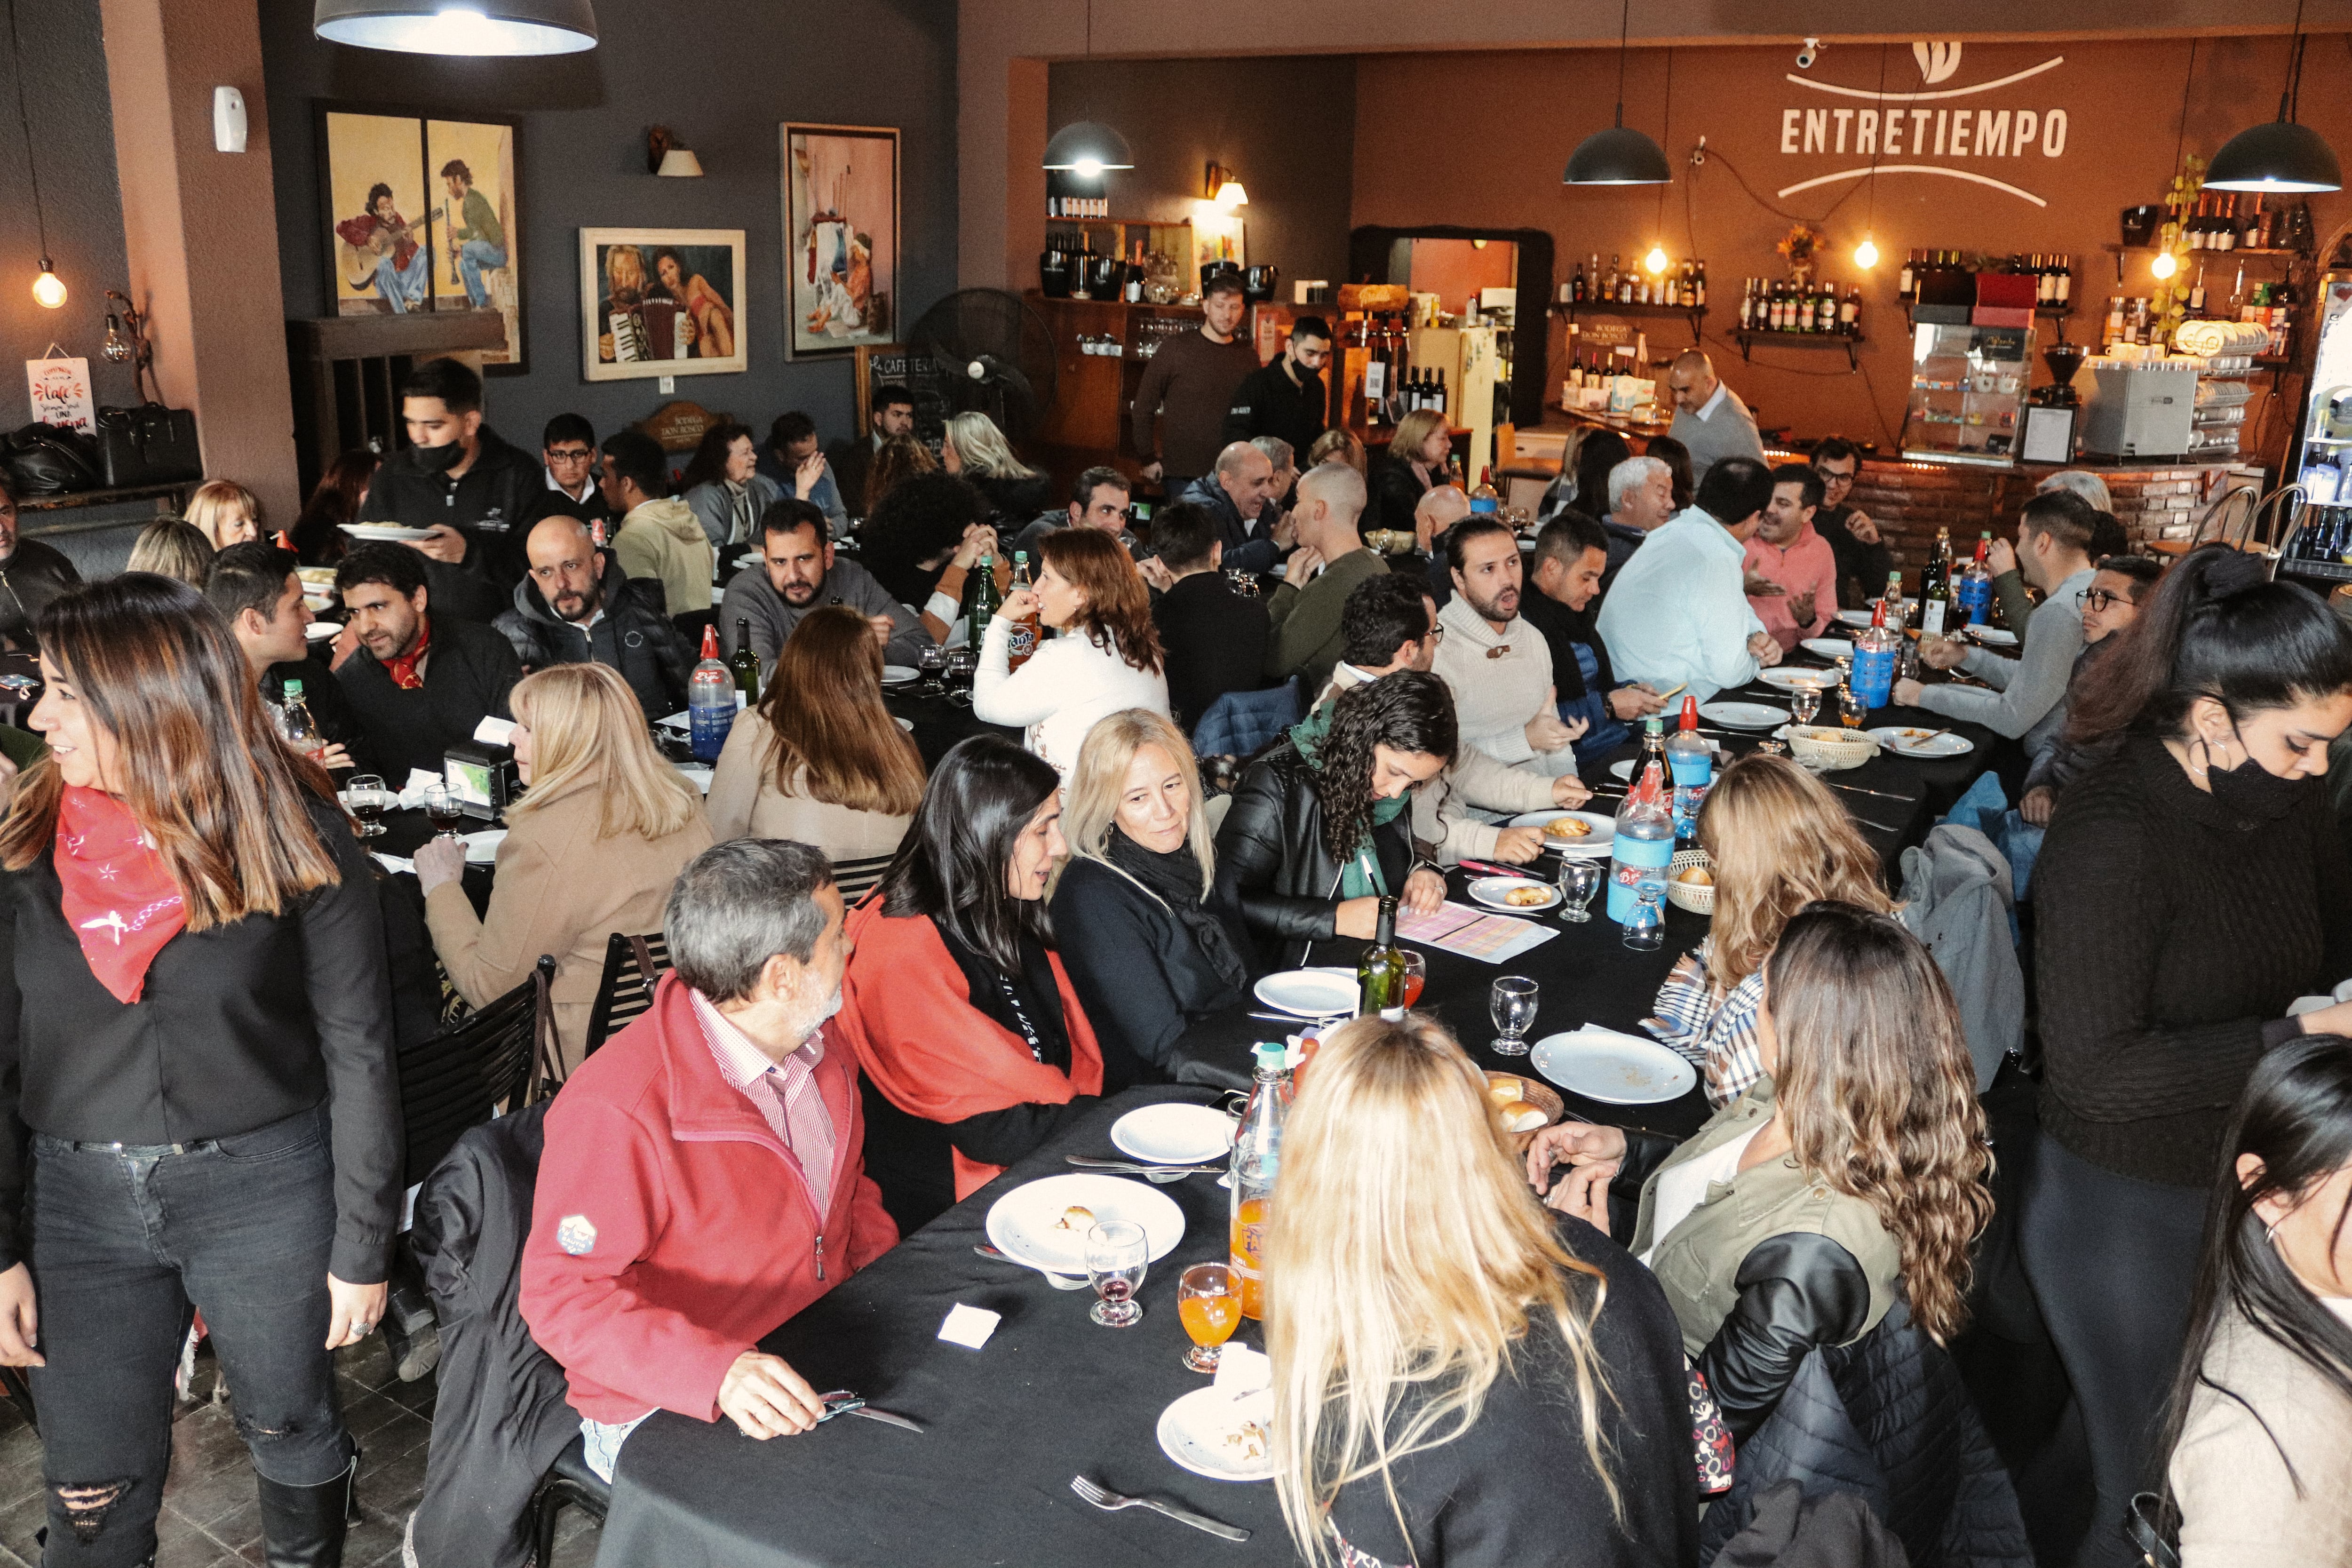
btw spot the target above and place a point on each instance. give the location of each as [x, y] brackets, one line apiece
[1825, 315]
[1907, 282]
[1849, 311]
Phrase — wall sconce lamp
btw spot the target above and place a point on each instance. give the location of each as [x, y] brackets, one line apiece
[666, 156]
[1223, 186]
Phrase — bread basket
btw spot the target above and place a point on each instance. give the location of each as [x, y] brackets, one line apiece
[1698, 899]
[1830, 749]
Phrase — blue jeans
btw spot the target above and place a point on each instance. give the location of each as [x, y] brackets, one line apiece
[404, 286]
[472, 258]
[125, 1241]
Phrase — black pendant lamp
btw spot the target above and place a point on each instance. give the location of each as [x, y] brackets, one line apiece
[2281, 156]
[1089, 147]
[1618, 156]
[458, 27]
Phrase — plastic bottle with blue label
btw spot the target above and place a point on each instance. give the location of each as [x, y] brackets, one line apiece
[1692, 762]
[1644, 841]
[1875, 653]
[709, 701]
[1974, 596]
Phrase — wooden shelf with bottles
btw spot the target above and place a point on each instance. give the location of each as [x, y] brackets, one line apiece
[1569, 309]
[1749, 337]
[2041, 312]
[2288, 252]
[1169, 236]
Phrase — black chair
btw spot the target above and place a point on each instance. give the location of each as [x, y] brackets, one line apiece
[633, 965]
[569, 1483]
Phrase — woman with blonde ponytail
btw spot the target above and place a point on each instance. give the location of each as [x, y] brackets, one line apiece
[1459, 1378]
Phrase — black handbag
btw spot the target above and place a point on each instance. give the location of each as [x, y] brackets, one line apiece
[149, 445]
[2145, 1524]
[49, 460]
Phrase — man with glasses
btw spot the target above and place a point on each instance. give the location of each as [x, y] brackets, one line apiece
[1862, 559]
[1286, 399]
[2110, 603]
[567, 450]
[576, 608]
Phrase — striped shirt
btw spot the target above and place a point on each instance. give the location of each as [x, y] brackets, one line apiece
[786, 1092]
[1713, 1032]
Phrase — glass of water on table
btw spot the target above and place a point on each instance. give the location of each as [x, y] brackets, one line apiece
[1512, 1005]
[1580, 878]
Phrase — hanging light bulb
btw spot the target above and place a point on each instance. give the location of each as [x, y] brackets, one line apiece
[115, 348]
[48, 288]
[2164, 266]
[1656, 260]
[1865, 255]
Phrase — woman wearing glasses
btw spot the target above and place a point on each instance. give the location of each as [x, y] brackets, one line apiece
[2109, 605]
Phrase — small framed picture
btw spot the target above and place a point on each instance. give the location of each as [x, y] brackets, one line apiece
[841, 237]
[661, 301]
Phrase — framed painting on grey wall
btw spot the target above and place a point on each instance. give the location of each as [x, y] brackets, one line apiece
[841, 237]
[421, 215]
[661, 301]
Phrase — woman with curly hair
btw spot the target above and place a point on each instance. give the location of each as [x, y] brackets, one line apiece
[1107, 659]
[1837, 1199]
[1780, 841]
[1321, 828]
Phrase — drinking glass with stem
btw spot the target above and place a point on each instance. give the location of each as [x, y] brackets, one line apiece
[1117, 1253]
[1580, 878]
[1209, 1301]
[1512, 1005]
[367, 797]
[442, 810]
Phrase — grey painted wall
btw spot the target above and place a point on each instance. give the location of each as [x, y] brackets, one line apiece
[722, 74]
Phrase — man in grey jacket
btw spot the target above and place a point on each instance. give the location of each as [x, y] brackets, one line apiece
[2027, 699]
[797, 573]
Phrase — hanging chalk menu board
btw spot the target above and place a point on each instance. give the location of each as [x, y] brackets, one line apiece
[920, 373]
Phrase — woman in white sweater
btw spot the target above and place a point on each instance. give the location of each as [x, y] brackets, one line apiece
[1107, 658]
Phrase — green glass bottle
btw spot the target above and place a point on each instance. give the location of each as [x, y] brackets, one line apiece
[980, 597]
[744, 665]
[1380, 974]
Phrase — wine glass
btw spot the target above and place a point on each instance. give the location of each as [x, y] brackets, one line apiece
[1416, 976]
[1645, 922]
[1852, 707]
[1579, 879]
[933, 662]
[442, 811]
[1512, 1005]
[1209, 1301]
[1805, 702]
[1117, 1252]
[367, 797]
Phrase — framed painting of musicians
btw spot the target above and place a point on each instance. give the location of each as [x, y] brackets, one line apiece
[421, 215]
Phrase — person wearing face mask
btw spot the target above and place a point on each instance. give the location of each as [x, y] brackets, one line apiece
[2191, 887]
[1150, 951]
[457, 477]
[974, 1046]
[1188, 387]
[703, 1175]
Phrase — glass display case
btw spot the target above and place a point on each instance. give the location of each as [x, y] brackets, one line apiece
[1967, 390]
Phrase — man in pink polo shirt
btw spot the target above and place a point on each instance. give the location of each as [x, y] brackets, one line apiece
[1791, 571]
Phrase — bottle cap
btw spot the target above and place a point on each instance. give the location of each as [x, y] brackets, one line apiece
[1020, 557]
[1271, 1053]
[1654, 725]
[1690, 713]
[293, 691]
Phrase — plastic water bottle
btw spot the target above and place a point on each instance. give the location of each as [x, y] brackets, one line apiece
[1875, 653]
[1692, 762]
[295, 724]
[1257, 1158]
[710, 700]
[1644, 841]
[1974, 598]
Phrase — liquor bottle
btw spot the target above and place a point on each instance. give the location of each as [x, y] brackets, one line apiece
[1257, 1159]
[1698, 298]
[1974, 599]
[1874, 656]
[296, 726]
[1624, 287]
[2197, 293]
[1644, 841]
[709, 701]
[1906, 284]
[1748, 307]
[1379, 973]
[1483, 498]
[2113, 331]
[1690, 284]
[1022, 643]
[1775, 313]
[2066, 280]
[744, 664]
[1609, 291]
[1849, 311]
[1576, 285]
[1691, 761]
[1935, 580]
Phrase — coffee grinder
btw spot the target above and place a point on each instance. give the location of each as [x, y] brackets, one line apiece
[2053, 412]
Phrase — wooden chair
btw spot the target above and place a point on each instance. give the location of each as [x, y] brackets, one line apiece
[633, 964]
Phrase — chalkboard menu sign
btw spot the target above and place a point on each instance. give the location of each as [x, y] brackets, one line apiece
[918, 372]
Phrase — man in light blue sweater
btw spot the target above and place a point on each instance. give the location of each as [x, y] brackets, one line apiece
[1678, 613]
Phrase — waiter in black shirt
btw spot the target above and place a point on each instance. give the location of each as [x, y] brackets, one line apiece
[1286, 398]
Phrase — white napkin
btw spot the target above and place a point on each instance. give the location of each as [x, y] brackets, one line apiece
[1240, 1370]
[969, 1326]
[495, 731]
[412, 793]
[395, 863]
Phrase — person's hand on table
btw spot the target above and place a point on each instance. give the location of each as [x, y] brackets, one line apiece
[2036, 805]
[1547, 731]
[352, 1311]
[1860, 528]
[766, 1398]
[1907, 693]
[1425, 890]
[1638, 700]
[1517, 846]
[439, 860]
[441, 543]
[2001, 557]
[1764, 647]
[1755, 585]
[1019, 606]
[1943, 653]
[1155, 572]
[20, 1319]
[978, 540]
[1569, 790]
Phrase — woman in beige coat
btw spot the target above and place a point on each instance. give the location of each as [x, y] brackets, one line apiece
[591, 850]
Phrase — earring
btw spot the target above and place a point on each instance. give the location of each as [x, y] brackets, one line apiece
[2270, 1234]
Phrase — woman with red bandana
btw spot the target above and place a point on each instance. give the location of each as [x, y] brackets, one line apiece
[195, 1027]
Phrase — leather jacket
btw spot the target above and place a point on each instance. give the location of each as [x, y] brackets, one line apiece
[1272, 869]
[32, 575]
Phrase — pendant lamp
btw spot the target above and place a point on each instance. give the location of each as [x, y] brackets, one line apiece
[2279, 156]
[1089, 147]
[473, 28]
[1618, 156]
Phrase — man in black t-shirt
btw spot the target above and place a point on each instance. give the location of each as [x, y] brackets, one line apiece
[419, 683]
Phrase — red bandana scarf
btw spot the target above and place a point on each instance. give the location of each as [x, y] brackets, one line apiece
[120, 897]
[404, 669]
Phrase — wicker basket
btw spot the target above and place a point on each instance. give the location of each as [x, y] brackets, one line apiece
[1832, 750]
[1697, 900]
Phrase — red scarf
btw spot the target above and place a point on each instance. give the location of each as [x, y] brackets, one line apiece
[404, 669]
[120, 897]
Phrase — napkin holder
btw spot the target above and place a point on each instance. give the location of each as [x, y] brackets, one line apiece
[482, 777]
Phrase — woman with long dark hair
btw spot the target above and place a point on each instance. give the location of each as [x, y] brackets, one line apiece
[1320, 828]
[2191, 887]
[1108, 657]
[192, 980]
[973, 1044]
[2258, 1438]
[319, 536]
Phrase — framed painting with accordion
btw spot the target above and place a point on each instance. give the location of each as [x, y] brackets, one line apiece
[661, 301]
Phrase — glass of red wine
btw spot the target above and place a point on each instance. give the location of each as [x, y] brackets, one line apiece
[1416, 975]
[366, 796]
[442, 810]
[1117, 1252]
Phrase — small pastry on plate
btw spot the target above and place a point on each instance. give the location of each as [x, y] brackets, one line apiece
[1568, 827]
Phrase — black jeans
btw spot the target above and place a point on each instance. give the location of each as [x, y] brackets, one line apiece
[124, 1242]
[2113, 1260]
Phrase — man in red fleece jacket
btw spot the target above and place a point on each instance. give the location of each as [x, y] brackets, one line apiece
[704, 1177]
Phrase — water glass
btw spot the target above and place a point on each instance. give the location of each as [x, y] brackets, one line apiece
[1117, 1252]
[1805, 703]
[1578, 880]
[1208, 1301]
[1645, 923]
[1512, 1005]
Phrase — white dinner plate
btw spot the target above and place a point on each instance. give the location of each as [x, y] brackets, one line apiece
[1613, 1068]
[1605, 828]
[1993, 637]
[1744, 715]
[1309, 992]
[1194, 1431]
[1489, 891]
[1026, 1223]
[1854, 618]
[906, 724]
[1623, 771]
[482, 848]
[1788, 678]
[1891, 736]
[1831, 647]
[383, 533]
[696, 773]
[899, 673]
[321, 631]
[1174, 1134]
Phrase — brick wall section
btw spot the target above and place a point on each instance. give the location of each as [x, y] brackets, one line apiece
[1910, 501]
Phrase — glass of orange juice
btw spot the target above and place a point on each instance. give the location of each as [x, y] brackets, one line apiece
[1210, 1308]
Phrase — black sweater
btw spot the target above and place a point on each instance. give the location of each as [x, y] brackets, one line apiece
[2172, 936]
[1517, 1490]
[1143, 978]
[468, 670]
[238, 1027]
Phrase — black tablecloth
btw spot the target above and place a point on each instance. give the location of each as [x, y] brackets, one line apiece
[940, 722]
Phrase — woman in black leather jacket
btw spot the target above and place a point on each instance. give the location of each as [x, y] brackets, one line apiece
[1321, 826]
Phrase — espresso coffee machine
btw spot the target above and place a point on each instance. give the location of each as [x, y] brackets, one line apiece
[2052, 414]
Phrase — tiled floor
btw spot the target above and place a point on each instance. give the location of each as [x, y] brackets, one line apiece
[211, 1519]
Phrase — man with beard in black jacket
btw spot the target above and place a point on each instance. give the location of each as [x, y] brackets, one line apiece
[564, 613]
[456, 477]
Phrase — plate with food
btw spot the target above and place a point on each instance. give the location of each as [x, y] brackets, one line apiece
[1224, 1436]
[1173, 1134]
[1831, 647]
[1991, 637]
[385, 532]
[1571, 832]
[1913, 741]
[1613, 1068]
[1309, 992]
[1789, 677]
[1046, 1221]
[1521, 1104]
[1743, 715]
[1514, 895]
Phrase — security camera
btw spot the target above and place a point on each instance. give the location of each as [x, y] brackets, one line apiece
[1808, 54]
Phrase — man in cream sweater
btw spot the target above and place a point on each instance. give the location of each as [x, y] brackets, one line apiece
[1499, 666]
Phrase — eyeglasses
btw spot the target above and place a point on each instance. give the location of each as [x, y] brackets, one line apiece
[1436, 636]
[1830, 478]
[2099, 598]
